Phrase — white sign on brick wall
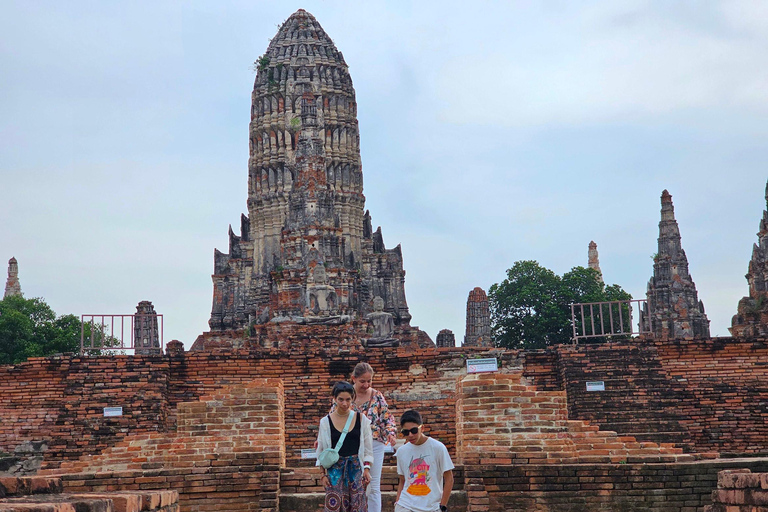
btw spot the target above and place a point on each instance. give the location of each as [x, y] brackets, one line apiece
[482, 365]
[308, 453]
[595, 385]
[113, 411]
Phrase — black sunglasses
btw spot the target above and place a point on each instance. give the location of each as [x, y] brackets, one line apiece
[406, 431]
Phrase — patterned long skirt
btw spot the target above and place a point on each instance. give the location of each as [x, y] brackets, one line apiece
[346, 493]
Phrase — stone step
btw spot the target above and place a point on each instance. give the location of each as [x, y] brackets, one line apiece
[117, 501]
[313, 501]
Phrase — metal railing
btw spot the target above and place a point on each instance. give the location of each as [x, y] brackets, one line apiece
[613, 319]
[114, 334]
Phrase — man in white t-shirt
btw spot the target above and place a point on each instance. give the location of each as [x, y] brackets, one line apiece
[424, 468]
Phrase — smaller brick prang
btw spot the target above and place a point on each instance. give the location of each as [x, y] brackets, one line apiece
[145, 330]
[446, 339]
[478, 333]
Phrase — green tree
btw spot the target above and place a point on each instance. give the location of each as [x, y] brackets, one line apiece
[531, 307]
[30, 328]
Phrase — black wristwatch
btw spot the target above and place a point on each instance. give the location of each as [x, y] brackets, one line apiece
[443, 508]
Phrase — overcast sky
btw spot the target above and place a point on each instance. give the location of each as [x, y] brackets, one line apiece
[490, 132]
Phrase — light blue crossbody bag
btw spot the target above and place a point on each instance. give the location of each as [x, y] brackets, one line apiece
[330, 456]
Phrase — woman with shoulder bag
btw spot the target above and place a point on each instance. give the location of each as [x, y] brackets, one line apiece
[370, 402]
[345, 451]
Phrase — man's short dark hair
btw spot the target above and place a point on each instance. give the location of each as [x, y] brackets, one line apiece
[411, 416]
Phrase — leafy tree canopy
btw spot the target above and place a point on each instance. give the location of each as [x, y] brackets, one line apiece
[30, 328]
[531, 307]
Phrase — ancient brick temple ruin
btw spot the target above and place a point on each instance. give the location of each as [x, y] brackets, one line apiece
[675, 309]
[146, 334]
[752, 316]
[12, 285]
[306, 252]
[308, 290]
[445, 339]
[478, 330]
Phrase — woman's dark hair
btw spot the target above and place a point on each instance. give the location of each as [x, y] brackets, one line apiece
[343, 387]
[412, 416]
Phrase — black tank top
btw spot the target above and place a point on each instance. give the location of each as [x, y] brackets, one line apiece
[351, 444]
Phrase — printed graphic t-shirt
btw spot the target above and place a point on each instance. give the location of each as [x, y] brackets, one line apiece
[422, 467]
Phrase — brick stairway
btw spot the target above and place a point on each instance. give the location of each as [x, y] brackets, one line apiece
[640, 398]
[301, 491]
[501, 419]
[40, 494]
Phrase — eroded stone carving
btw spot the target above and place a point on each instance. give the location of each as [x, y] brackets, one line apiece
[674, 309]
[321, 297]
[305, 197]
[382, 326]
[751, 319]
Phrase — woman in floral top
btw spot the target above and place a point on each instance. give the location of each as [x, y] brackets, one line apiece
[371, 402]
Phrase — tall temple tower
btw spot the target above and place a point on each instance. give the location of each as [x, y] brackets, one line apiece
[593, 260]
[12, 285]
[674, 309]
[306, 251]
[751, 320]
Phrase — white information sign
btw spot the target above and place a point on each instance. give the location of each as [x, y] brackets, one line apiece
[595, 385]
[113, 411]
[308, 453]
[482, 365]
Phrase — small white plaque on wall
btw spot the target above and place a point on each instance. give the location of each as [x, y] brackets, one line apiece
[308, 453]
[482, 365]
[113, 411]
[595, 385]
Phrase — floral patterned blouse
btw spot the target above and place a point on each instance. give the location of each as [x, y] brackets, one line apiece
[382, 421]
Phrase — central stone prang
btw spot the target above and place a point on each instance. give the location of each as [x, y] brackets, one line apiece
[306, 252]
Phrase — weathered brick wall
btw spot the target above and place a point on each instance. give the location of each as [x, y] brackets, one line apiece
[61, 399]
[709, 394]
[726, 383]
[740, 490]
[675, 487]
[238, 419]
[542, 368]
[703, 395]
[423, 379]
[226, 452]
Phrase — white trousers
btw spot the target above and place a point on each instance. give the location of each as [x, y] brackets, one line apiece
[374, 488]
